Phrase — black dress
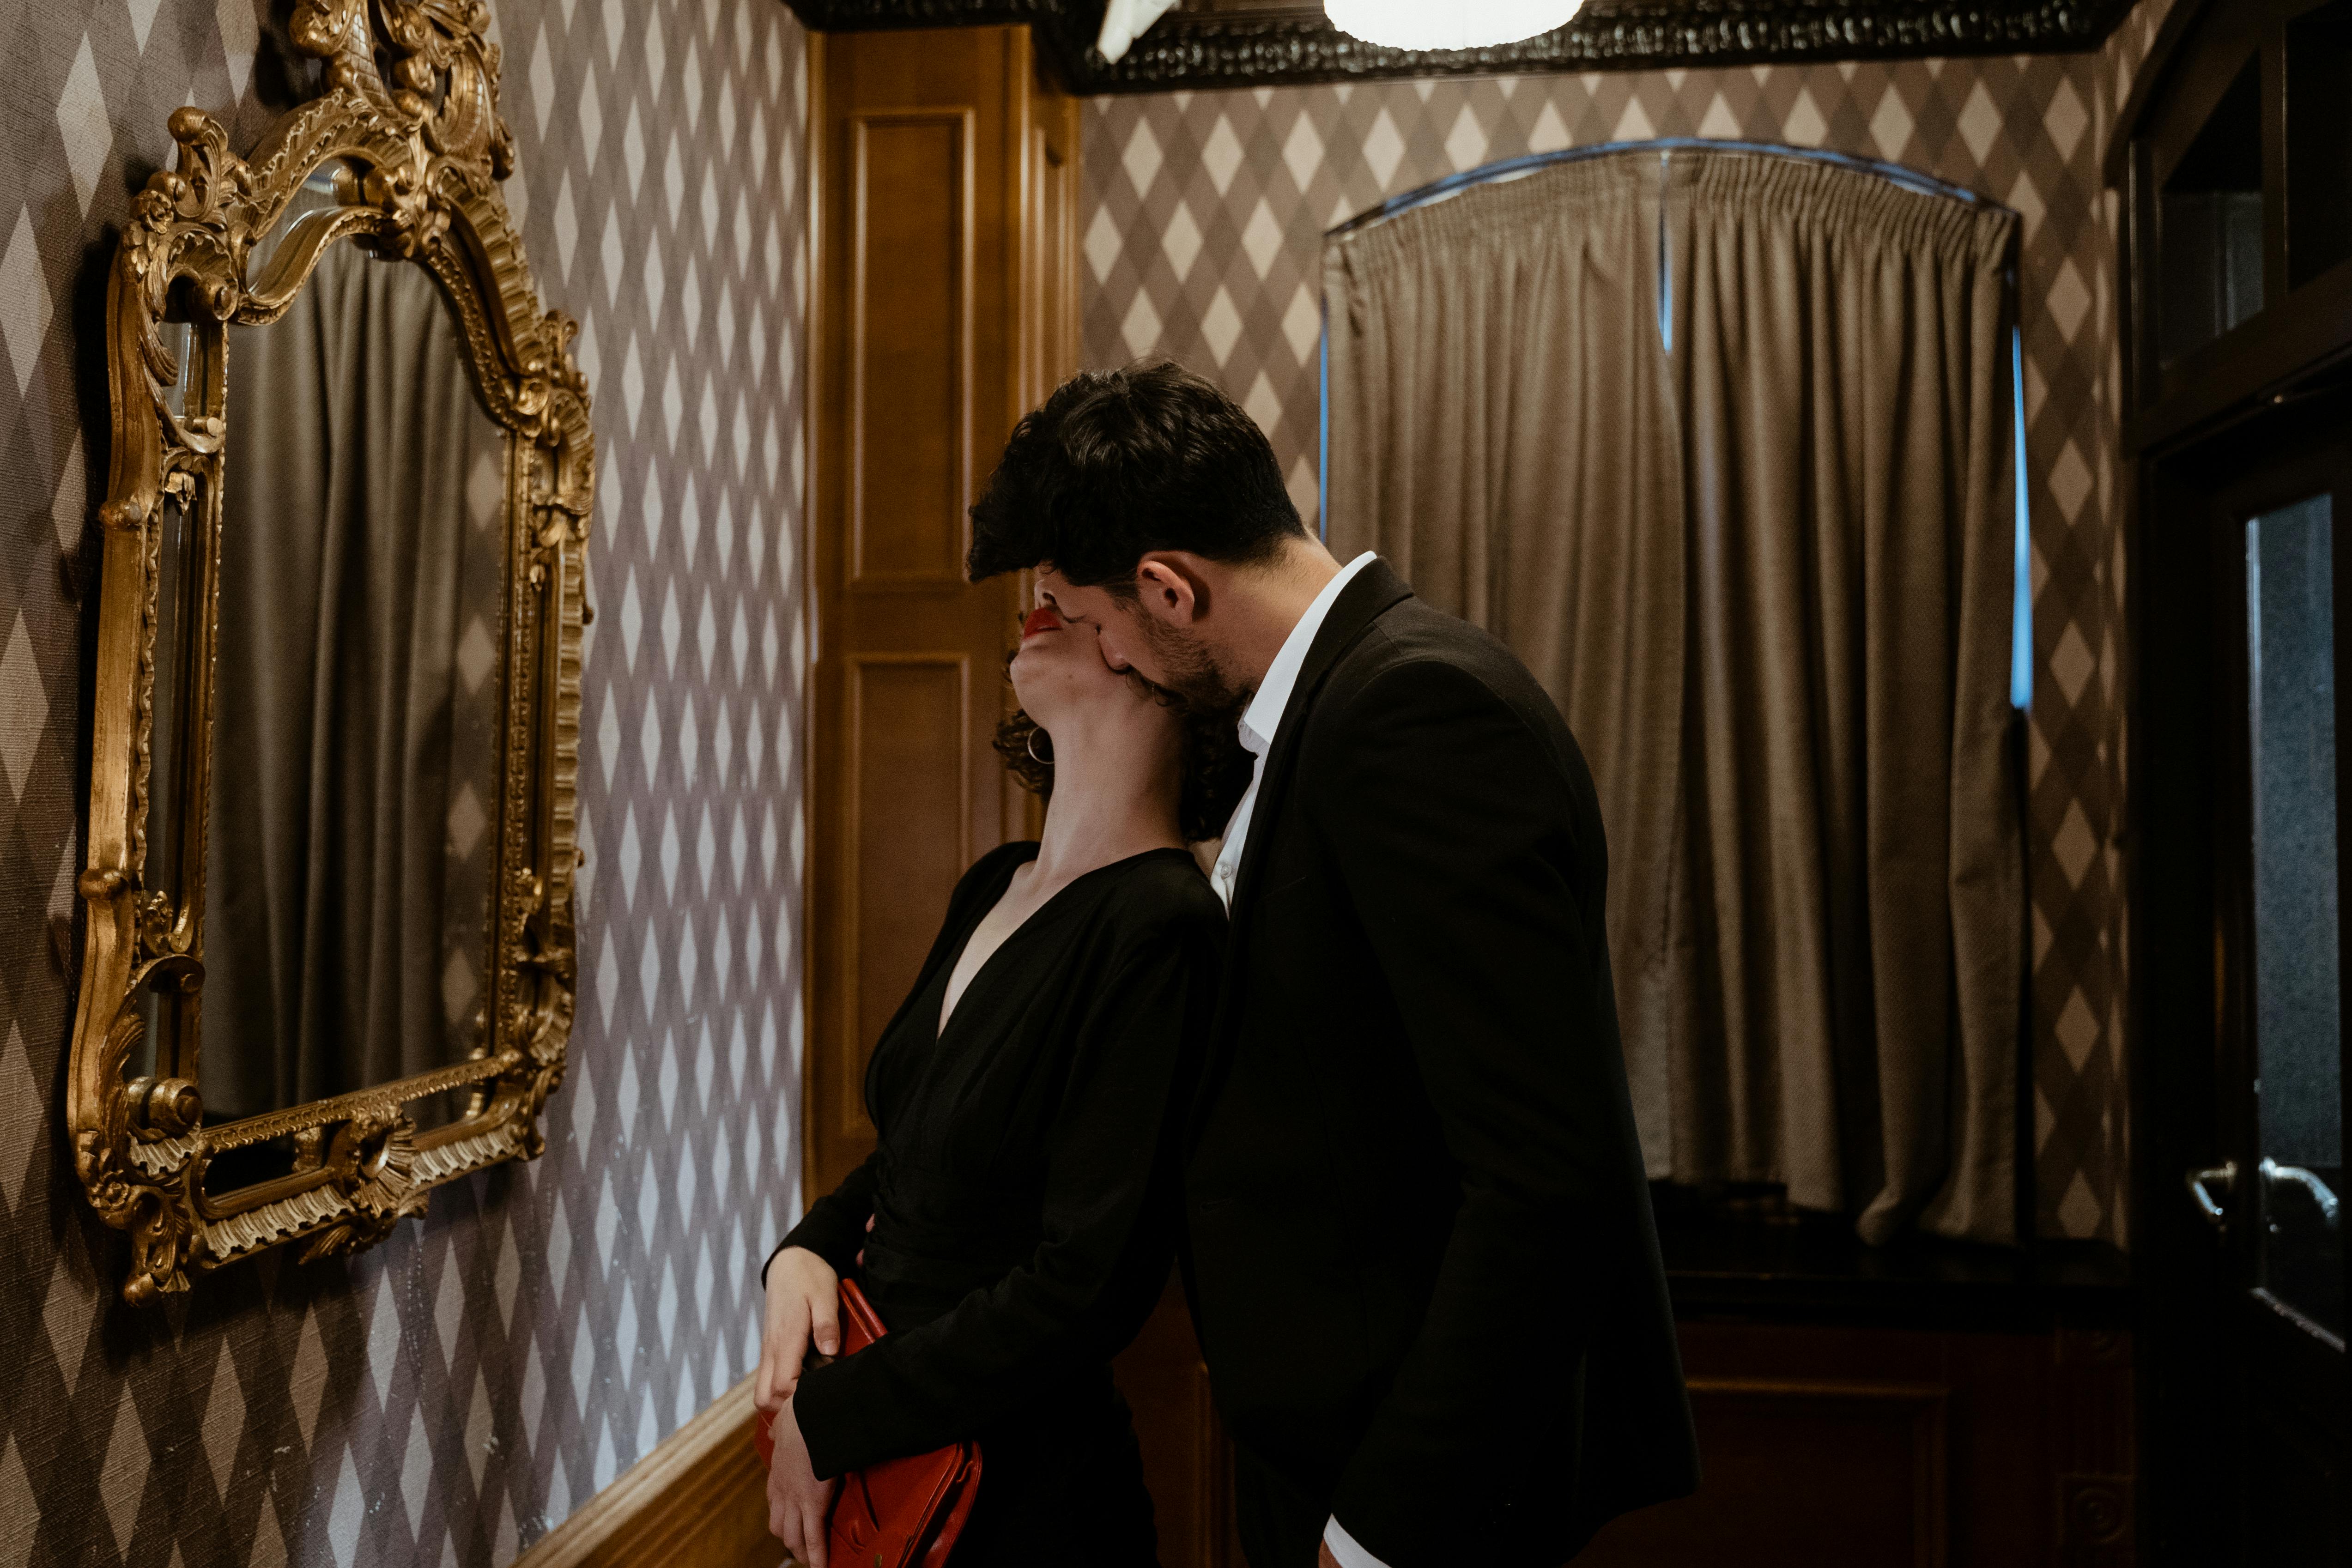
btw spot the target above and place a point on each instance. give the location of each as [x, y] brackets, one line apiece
[1025, 1193]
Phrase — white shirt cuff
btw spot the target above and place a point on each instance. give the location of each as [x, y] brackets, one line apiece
[1344, 1548]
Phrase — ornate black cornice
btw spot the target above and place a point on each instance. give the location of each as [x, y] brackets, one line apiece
[878, 15]
[1231, 47]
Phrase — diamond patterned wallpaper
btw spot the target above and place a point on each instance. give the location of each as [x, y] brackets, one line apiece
[448, 1398]
[1203, 240]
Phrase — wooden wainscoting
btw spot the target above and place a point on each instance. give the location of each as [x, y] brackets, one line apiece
[1868, 1446]
[1805, 1471]
[699, 1500]
[1825, 1446]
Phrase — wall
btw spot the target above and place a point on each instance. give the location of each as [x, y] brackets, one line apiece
[447, 1397]
[1203, 224]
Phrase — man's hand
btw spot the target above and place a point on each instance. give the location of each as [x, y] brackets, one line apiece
[803, 1307]
[800, 1506]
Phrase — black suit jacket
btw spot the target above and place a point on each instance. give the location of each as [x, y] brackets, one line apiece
[1420, 1253]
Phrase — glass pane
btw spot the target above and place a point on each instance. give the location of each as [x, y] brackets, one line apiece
[2318, 142]
[2210, 224]
[2299, 1039]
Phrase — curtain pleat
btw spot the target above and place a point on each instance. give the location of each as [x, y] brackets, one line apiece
[1766, 575]
[1499, 414]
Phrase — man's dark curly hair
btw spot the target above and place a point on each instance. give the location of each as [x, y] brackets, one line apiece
[1118, 462]
[1215, 770]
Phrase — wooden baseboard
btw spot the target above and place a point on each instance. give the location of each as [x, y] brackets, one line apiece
[699, 1500]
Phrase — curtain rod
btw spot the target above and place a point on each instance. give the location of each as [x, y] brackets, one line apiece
[1516, 168]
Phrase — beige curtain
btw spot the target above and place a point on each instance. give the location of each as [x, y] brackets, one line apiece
[1494, 378]
[1713, 439]
[355, 696]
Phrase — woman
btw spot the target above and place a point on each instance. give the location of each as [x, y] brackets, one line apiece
[1017, 1218]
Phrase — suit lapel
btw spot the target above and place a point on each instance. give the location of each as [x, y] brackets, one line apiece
[1372, 591]
[1368, 595]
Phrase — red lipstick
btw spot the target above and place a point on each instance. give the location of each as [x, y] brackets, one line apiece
[1041, 619]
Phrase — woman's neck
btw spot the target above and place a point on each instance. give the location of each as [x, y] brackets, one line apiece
[1114, 796]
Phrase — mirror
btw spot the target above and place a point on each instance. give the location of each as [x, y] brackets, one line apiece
[355, 706]
[329, 958]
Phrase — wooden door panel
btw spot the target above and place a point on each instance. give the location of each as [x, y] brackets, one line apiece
[1802, 1473]
[910, 347]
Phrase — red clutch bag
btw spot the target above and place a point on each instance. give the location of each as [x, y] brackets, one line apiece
[900, 1513]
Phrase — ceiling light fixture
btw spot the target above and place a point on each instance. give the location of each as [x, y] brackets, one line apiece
[1448, 24]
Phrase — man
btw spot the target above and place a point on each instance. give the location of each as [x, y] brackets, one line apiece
[1420, 1255]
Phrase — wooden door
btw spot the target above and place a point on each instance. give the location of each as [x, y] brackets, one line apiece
[942, 306]
[2249, 548]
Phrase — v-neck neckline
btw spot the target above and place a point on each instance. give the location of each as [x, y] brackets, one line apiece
[948, 971]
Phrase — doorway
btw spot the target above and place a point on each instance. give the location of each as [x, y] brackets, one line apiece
[2247, 555]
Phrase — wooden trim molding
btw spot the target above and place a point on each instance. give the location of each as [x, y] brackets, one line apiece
[812, 605]
[699, 1500]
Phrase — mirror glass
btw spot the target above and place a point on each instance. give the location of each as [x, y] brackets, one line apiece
[356, 691]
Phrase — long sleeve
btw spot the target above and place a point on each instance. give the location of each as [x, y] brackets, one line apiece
[1492, 946]
[1108, 1227]
[836, 1223]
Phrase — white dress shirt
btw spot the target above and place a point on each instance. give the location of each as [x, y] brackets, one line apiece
[1259, 722]
[1263, 717]
[1344, 1548]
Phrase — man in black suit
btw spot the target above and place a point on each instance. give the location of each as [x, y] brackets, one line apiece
[1420, 1255]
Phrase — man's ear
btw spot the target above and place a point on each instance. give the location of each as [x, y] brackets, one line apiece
[1172, 587]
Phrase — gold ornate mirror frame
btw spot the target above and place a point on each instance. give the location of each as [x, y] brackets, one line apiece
[409, 126]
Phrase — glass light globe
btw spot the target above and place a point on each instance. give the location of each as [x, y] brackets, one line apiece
[1448, 24]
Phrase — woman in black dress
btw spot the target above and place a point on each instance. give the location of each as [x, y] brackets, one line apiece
[1017, 1220]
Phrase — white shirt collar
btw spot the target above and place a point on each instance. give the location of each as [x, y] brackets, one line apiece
[1264, 714]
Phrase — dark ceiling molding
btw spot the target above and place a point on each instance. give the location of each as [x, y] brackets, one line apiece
[1197, 49]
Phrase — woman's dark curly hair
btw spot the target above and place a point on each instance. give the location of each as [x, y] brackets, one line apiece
[1216, 770]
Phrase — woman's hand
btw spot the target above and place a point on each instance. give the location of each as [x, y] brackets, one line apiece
[803, 1307]
[800, 1506]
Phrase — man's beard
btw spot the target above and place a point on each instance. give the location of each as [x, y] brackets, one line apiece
[1191, 671]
